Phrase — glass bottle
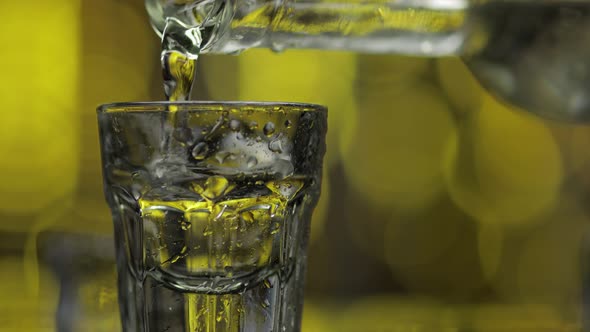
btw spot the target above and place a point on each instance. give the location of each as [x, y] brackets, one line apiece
[530, 53]
[231, 26]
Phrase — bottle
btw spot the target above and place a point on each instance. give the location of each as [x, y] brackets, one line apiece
[529, 53]
[231, 26]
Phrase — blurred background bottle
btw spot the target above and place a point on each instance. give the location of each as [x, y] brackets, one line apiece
[442, 209]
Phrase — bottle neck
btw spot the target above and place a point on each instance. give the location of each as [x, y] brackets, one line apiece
[190, 26]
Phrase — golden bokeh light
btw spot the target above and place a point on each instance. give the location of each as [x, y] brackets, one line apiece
[503, 166]
[424, 238]
[435, 254]
[39, 127]
[397, 153]
[119, 57]
[459, 85]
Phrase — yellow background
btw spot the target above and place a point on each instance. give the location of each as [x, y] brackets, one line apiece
[442, 208]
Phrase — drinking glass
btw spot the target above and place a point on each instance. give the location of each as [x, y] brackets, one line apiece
[211, 203]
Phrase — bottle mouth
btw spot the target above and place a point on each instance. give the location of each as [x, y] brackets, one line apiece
[178, 24]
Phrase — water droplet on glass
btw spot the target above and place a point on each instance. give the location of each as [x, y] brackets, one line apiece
[288, 123]
[207, 231]
[233, 225]
[200, 151]
[221, 156]
[185, 225]
[253, 125]
[234, 125]
[275, 229]
[248, 216]
[215, 186]
[277, 47]
[275, 146]
[160, 171]
[269, 128]
[179, 255]
[252, 162]
[284, 167]
[285, 188]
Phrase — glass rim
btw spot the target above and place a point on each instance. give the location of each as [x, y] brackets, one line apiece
[205, 106]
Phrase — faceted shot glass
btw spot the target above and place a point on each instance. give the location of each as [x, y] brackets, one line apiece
[211, 203]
